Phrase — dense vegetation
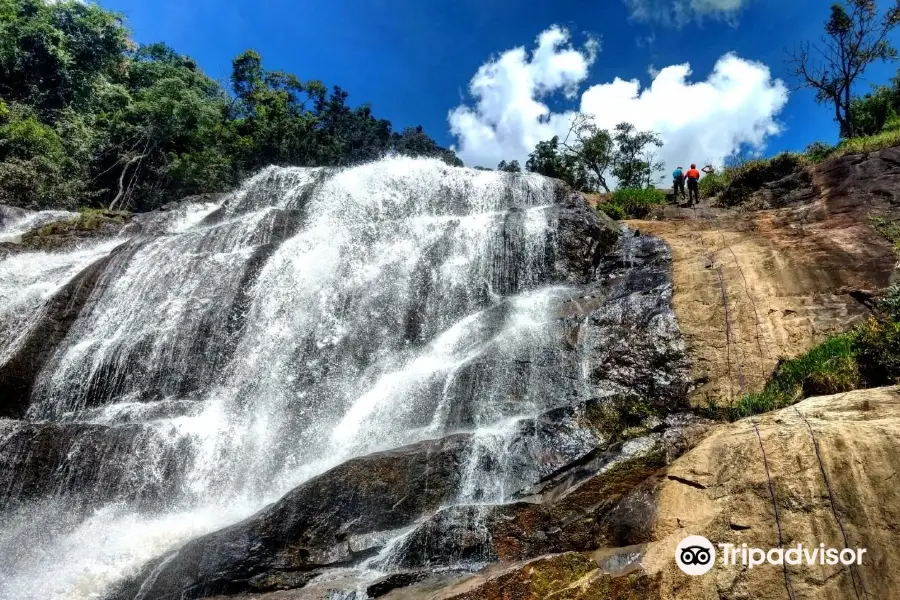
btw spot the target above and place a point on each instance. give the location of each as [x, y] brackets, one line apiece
[87, 118]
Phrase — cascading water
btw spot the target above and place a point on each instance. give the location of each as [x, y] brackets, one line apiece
[315, 316]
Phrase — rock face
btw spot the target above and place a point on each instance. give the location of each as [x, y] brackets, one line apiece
[18, 373]
[753, 286]
[87, 465]
[327, 521]
[721, 490]
[584, 236]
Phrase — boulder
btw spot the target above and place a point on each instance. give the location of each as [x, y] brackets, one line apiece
[331, 520]
[828, 473]
[68, 233]
[567, 576]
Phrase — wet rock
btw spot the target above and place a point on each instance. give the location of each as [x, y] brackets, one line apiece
[312, 525]
[8, 214]
[568, 576]
[632, 336]
[88, 464]
[394, 581]
[68, 233]
[583, 237]
[566, 514]
[18, 373]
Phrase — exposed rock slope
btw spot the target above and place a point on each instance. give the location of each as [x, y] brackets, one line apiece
[754, 285]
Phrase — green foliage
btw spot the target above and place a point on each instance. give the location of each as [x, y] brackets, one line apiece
[509, 167]
[634, 166]
[890, 305]
[856, 35]
[877, 345]
[818, 151]
[828, 368]
[867, 356]
[859, 145]
[551, 159]
[633, 202]
[890, 229]
[589, 155]
[613, 211]
[86, 117]
[713, 184]
[751, 176]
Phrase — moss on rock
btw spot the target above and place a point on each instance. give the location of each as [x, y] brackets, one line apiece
[90, 223]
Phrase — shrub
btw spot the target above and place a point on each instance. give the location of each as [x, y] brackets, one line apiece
[634, 202]
[885, 139]
[818, 151]
[756, 173]
[890, 229]
[877, 346]
[890, 305]
[613, 211]
[714, 184]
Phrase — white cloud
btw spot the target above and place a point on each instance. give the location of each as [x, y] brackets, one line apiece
[509, 118]
[680, 12]
[736, 105]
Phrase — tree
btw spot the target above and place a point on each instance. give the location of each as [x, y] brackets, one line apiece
[594, 147]
[551, 159]
[509, 167]
[589, 155]
[413, 141]
[634, 164]
[855, 37]
[51, 53]
[87, 116]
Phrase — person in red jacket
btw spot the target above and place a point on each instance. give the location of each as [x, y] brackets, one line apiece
[693, 183]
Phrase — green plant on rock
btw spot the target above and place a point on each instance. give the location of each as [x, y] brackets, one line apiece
[756, 173]
[828, 368]
[633, 202]
[890, 305]
[818, 151]
[890, 229]
[877, 347]
[613, 211]
[715, 183]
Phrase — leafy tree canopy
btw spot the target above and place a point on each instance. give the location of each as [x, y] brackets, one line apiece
[88, 117]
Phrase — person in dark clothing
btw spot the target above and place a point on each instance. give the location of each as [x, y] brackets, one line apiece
[678, 183]
[693, 185]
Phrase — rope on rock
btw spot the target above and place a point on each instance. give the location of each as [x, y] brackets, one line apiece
[759, 347]
[787, 577]
[834, 508]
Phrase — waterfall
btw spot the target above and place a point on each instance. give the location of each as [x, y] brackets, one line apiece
[312, 316]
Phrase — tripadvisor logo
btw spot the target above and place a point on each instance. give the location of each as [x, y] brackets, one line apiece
[695, 555]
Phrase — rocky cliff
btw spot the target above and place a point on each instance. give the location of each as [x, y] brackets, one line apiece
[407, 381]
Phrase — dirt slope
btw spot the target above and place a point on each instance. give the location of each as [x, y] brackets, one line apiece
[751, 286]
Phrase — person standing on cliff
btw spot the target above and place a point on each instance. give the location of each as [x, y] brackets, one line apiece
[678, 182]
[693, 184]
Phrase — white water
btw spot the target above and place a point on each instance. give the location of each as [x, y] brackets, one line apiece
[403, 307]
[28, 279]
[12, 229]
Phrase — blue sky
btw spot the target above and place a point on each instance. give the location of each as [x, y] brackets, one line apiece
[413, 61]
